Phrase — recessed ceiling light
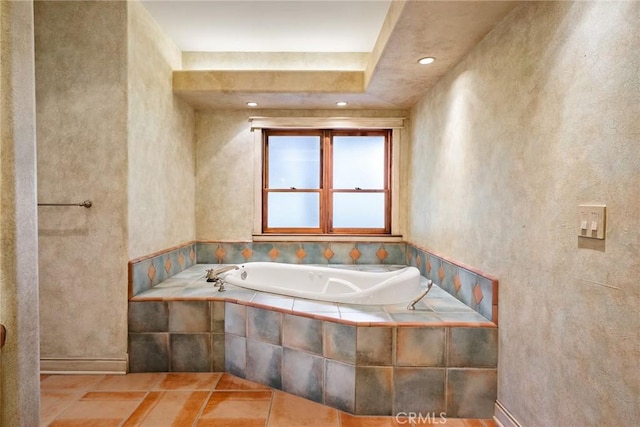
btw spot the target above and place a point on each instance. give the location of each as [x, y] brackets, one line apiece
[252, 104]
[341, 104]
[426, 60]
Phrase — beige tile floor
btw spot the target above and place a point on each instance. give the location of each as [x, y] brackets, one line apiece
[195, 399]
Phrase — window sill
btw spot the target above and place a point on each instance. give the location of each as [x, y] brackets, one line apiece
[275, 237]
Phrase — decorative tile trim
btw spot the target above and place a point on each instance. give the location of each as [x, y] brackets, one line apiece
[147, 271]
[469, 285]
[301, 252]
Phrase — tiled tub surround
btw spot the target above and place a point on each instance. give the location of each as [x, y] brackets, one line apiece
[366, 360]
[146, 272]
[468, 285]
[474, 288]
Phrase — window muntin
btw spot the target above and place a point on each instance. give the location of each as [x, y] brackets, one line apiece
[351, 194]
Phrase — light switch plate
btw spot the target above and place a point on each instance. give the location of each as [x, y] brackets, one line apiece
[592, 221]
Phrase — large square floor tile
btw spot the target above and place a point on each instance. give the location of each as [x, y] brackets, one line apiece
[96, 413]
[70, 382]
[168, 408]
[128, 382]
[188, 381]
[236, 408]
[292, 411]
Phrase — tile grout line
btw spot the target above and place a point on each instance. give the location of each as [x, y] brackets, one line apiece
[161, 377]
[133, 411]
[394, 365]
[266, 421]
[154, 403]
[204, 405]
[447, 350]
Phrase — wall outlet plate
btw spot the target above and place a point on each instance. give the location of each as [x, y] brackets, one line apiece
[592, 221]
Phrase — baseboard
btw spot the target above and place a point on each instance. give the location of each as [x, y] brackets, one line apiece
[503, 417]
[53, 365]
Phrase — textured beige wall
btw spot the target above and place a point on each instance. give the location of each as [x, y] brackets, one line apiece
[541, 117]
[161, 162]
[225, 183]
[276, 61]
[19, 359]
[81, 89]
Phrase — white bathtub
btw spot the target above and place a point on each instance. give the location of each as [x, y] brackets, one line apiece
[328, 284]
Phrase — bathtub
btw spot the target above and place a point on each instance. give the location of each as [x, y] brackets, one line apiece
[328, 284]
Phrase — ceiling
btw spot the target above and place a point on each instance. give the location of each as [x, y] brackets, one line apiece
[311, 54]
[271, 26]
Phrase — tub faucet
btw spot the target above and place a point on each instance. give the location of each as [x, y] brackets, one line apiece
[412, 305]
[212, 273]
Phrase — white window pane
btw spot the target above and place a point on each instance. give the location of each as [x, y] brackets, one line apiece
[294, 161]
[358, 161]
[358, 210]
[293, 210]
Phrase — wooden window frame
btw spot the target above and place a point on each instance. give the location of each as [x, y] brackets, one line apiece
[326, 189]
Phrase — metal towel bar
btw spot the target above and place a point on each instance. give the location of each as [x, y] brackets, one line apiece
[86, 204]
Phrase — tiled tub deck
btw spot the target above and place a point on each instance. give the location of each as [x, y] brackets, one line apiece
[366, 360]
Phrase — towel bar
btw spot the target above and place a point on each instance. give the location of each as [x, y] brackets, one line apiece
[86, 204]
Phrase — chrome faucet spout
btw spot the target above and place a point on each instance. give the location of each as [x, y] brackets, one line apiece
[214, 273]
[412, 305]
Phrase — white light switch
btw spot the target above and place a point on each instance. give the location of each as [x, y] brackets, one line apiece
[584, 221]
[592, 221]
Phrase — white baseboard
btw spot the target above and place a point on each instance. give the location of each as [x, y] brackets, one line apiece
[53, 365]
[503, 417]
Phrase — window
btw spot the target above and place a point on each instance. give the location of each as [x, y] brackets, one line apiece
[326, 181]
